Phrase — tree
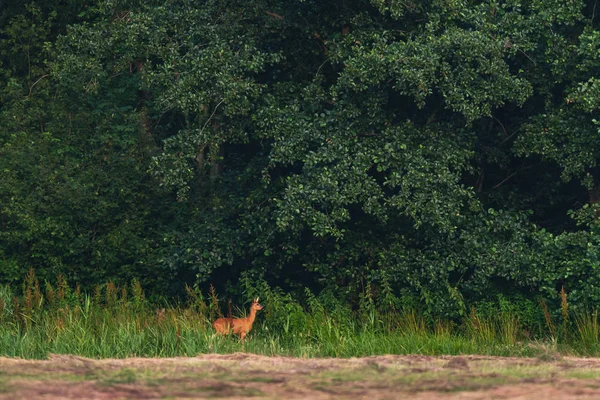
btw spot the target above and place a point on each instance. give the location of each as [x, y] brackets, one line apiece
[76, 198]
[430, 149]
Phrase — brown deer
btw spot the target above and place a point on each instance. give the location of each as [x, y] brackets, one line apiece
[238, 326]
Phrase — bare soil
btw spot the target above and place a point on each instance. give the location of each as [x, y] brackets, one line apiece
[241, 376]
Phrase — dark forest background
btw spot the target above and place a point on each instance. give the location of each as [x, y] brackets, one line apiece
[441, 151]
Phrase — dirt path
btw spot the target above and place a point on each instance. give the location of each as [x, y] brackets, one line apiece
[239, 376]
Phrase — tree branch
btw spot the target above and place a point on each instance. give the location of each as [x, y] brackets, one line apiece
[272, 14]
[504, 180]
[211, 115]
[35, 83]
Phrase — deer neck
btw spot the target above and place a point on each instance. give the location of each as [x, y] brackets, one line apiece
[252, 316]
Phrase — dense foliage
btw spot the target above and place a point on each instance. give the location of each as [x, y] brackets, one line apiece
[114, 321]
[440, 152]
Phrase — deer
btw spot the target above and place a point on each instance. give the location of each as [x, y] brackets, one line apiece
[238, 326]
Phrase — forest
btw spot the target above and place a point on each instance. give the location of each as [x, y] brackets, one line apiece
[437, 156]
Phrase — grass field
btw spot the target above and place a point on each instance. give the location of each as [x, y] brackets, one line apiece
[115, 343]
[118, 322]
[241, 375]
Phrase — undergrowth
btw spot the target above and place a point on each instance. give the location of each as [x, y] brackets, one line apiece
[120, 322]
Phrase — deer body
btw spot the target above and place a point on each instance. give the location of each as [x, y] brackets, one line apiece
[238, 326]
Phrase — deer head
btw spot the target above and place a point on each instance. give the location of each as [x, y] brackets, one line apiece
[255, 305]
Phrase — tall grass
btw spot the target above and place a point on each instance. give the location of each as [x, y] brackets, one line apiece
[115, 321]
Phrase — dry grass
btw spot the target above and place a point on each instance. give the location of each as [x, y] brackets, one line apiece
[243, 375]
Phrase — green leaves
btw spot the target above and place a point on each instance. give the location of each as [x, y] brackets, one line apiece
[430, 148]
[467, 68]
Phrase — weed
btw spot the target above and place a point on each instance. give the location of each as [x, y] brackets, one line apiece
[509, 328]
[481, 329]
[564, 308]
[548, 318]
[118, 321]
[588, 329]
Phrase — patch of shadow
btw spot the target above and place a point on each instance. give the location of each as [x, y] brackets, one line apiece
[314, 367]
[456, 385]
[120, 377]
[490, 375]
[4, 387]
[217, 368]
[565, 365]
[376, 366]
[457, 363]
[337, 389]
[534, 380]
[417, 370]
[265, 379]
[191, 388]
[227, 390]
[549, 356]
[129, 391]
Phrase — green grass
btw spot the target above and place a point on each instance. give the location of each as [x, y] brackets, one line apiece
[120, 322]
[99, 333]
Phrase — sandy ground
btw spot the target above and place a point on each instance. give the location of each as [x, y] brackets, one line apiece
[241, 376]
